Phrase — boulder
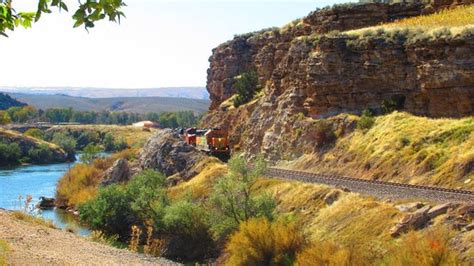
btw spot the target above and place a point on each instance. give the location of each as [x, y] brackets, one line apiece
[439, 209]
[466, 210]
[469, 227]
[409, 207]
[167, 153]
[118, 173]
[331, 197]
[415, 220]
[45, 203]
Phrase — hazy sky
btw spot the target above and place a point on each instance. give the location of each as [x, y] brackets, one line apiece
[161, 43]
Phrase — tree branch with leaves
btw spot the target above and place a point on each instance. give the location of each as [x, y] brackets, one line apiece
[87, 14]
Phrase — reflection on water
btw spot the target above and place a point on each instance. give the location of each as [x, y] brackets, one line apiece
[37, 181]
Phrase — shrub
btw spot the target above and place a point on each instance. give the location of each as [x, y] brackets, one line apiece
[10, 154]
[260, 242]
[90, 153]
[110, 211]
[235, 201]
[109, 142]
[423, 248]
[396, 102]
[35, 133]
[40, 155]
[67, 143]
[324, 133]
[329, 254]
[366, 121]
[185, 218]
[78, 185]
[246, 85]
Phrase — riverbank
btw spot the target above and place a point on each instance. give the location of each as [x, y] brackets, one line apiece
[32, 244]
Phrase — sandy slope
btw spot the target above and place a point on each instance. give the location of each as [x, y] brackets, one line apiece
[38, 245]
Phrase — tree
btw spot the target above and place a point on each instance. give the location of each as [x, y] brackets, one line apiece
[246, 85]
[35, 133]
[234, 198]
[9, 154]
[4, 118]
[90, 153]
[67, 143]
[87, 13]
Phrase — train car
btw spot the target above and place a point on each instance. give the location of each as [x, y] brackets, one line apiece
[212, 141]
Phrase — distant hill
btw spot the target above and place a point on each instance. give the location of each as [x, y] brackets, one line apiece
[6, 102]
[174, 92]
[119, 104]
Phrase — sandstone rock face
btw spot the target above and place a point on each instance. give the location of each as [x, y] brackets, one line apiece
[118, 173]
[325, 75]
[168, 154]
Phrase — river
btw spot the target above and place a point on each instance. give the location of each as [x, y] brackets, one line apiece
[37, 181]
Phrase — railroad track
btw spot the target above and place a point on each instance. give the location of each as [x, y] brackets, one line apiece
[379, 189]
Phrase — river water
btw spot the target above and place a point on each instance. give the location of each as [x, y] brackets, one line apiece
[37, 181]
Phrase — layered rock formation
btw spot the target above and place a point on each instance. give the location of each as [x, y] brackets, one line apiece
[309, 71]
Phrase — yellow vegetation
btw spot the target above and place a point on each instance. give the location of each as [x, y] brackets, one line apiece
[80, 183]
[4, 250]
[259, 242]
[456, 19]
[403, 148]
[22, 216]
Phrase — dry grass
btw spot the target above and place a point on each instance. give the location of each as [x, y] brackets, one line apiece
[403, 148]
[81, 182]
[456, 19]
[4, 250]
[22, 216]
[201, 185]
[259, 242]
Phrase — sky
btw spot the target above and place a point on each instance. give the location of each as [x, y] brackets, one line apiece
[161, 43]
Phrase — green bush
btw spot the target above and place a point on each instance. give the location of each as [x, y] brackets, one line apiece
[10, 154]
[40, 155]
[35, 133]
[366, 121]
[234, 199]
[110, 211]
[90, 153]
[245, 85]
[67, 143]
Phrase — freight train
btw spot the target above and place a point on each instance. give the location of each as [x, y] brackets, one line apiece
[212, 141]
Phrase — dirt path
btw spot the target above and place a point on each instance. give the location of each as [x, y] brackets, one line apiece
[32, 244]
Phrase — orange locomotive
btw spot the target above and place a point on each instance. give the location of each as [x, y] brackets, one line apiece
[213, 141]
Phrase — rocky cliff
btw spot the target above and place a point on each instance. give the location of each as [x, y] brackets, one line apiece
[316, 68]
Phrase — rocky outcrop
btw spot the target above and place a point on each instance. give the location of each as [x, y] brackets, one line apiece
[308, 71]
[168, 154]
[120, 172]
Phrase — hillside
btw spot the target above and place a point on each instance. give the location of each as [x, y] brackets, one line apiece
[316, 75]
[6, 102]
[172, 92]
[118, 104]
[16, 148]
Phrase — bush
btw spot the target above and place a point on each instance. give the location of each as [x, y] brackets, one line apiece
[110, 211]
[396, 102]
[10, 154]
[40, 155]
[366, 121]
[35, 133]
[329, 254]
[67, 143]
[260, 242]
[90, 153]
[235, 201]
[246, 85]
[78, 185]
[324, 133]
[424, 248]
